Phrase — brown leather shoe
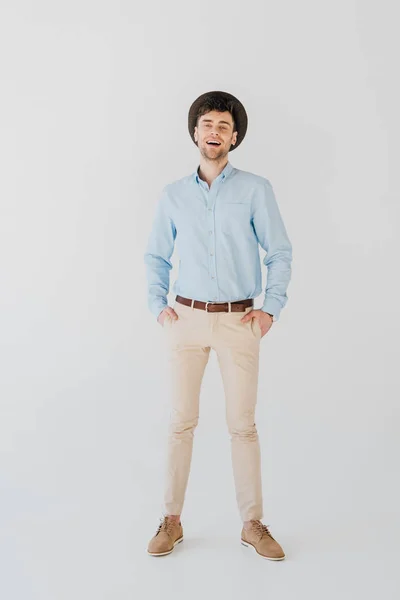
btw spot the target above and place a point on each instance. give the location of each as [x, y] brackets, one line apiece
[262, 541]
[168, 534]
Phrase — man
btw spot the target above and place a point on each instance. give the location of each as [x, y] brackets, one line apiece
[217, 216]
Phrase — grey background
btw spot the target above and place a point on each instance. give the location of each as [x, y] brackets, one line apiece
[94, 100]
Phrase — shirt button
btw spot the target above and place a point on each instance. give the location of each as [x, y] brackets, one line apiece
[212, 277]
[211, 253]
[210, 231]
[210, 209]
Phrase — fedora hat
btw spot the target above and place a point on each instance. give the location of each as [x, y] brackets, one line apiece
[239, 114]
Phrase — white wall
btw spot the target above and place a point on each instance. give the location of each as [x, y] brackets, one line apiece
[93, 121]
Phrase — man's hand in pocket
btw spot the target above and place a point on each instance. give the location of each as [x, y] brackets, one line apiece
[167, 313]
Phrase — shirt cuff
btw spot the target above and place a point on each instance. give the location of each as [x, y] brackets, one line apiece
[272, 306]
[157, 308]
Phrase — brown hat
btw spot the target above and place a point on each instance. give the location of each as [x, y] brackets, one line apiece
[239, 114]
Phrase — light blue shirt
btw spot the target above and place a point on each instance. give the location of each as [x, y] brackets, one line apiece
[217, 231]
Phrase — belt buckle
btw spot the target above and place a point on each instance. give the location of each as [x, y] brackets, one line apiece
[207, 303]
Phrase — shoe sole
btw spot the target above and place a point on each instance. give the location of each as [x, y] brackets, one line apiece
[248, 545]
[168, 552]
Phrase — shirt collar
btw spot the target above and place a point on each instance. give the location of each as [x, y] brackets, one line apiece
[223, 175]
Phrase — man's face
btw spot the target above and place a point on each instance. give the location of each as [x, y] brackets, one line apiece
[214, 127]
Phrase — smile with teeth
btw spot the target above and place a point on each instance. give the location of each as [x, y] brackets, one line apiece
[214, 142]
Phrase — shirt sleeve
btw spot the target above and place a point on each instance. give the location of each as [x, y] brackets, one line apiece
[160, 247]
[273, 238]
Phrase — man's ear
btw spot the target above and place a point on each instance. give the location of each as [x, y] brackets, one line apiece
[234, 138]
[195, 134]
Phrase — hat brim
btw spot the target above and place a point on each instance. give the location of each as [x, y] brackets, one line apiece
[239, 115]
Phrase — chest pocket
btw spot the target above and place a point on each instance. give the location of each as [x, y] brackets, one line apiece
[235, 217]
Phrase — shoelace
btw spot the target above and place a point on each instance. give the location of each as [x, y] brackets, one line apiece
[261, 529]
[166, 525]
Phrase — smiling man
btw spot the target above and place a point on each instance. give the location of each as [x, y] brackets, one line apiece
[217, 217]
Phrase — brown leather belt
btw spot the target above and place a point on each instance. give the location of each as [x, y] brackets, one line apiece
[237, 306]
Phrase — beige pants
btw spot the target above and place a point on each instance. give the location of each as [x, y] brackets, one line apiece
[189, 340]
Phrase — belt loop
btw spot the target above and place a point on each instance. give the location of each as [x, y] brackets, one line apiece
[229, 304]
[192, 303]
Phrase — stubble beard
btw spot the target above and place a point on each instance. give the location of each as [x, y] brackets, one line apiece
[211, 155]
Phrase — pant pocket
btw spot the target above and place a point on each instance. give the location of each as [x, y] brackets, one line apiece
[255, 327]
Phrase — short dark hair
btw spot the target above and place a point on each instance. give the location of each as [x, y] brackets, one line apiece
[216, 103]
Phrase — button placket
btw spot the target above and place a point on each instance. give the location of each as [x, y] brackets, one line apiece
[210, 194]
[211, 244]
